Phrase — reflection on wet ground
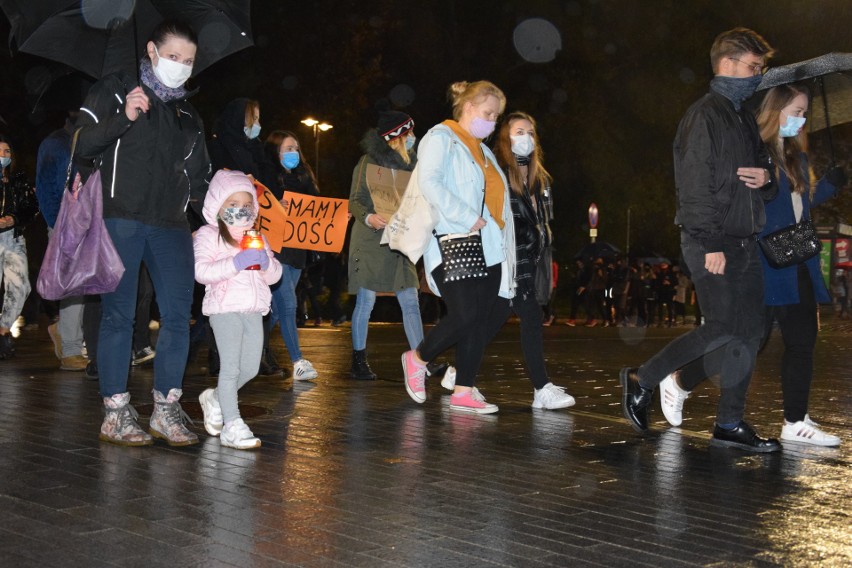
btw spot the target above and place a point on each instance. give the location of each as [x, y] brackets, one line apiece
[356, 474]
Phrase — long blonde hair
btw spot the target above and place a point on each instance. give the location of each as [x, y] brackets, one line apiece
[539, 177]
[463, 92]
[787, 155]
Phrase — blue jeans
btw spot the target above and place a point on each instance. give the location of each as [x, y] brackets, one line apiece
[732, 304]
[168, 255]
[411, 321]
[284, 309]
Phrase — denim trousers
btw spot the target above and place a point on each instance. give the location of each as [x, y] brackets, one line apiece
[167, 252]
[284, 309]
[239, 338]
[411, 322]
[469, 304]
[732, 305]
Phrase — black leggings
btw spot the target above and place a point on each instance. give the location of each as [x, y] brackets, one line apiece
[469, 305]
[532, 342]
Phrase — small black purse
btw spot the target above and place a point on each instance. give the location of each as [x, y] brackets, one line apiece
[791, 245]
[462, 254]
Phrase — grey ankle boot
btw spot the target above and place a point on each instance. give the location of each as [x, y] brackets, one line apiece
[168, 418]
[119, 425]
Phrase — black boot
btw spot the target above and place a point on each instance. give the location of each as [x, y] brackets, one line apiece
[360, 368]
[268, 364]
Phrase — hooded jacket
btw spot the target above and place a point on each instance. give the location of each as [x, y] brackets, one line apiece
[371, 265]
[152, 168]
[713, 140]
[227, 289]
[231, 149]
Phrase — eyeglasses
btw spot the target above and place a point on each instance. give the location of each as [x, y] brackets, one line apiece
[756, 68]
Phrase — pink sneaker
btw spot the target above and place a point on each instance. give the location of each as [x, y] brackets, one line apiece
[415, 377]
[472, 401]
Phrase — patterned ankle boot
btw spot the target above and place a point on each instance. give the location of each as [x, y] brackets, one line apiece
[168, 418]
[119, 426]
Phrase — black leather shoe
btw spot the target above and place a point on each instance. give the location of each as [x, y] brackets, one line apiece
[636, 399]
[745, 438]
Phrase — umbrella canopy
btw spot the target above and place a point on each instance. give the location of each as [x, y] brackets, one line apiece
[597, 249]
[99, 37]
[831, 75]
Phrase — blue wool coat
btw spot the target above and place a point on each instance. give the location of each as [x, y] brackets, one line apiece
[781, 285]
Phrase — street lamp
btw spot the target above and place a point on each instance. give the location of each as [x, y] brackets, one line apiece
[317, 127]
[593, 221]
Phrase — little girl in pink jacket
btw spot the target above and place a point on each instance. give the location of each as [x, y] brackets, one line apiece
[236, 296]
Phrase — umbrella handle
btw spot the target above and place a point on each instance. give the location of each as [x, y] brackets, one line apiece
[827, 121]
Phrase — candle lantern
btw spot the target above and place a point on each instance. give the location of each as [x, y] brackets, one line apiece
[252, 240]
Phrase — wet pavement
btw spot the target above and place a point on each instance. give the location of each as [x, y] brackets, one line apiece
[356, 474]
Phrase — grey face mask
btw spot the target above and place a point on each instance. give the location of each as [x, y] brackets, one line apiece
[237, 216]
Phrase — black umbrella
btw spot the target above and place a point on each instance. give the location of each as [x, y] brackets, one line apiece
[832, 76]
[597, 249]
[99, 37]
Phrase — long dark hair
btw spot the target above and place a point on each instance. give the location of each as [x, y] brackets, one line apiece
[539, 177]
[787, 154]
[273, 143]
[172, 28]
[7, 140]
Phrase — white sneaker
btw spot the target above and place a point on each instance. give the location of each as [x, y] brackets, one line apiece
[304, 371]
[672, 398]
[807, 432]
[212, 412]
[237, 435]
[552, 397]
[449, 380]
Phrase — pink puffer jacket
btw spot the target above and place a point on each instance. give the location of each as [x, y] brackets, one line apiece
[226, 288]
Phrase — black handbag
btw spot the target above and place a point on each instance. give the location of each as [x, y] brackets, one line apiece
[791, 245]
[462, 254]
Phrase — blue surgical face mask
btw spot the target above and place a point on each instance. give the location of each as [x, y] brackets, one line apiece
[253, 132]
[5, 161]
[237, 216]
[409, 142]
[792, 126]
[290, 160]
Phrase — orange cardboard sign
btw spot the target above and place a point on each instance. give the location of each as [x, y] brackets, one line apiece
[312, 223]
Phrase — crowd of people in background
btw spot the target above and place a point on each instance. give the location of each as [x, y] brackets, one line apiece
[177, 201]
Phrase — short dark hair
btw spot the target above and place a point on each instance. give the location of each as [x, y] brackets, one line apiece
[736, 42]
[173, 28]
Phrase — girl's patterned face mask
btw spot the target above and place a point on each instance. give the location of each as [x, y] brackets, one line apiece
[237, 216]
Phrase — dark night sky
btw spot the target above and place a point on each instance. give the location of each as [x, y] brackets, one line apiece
[607, 104]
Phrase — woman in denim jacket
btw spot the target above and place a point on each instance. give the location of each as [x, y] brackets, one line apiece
[459, 176]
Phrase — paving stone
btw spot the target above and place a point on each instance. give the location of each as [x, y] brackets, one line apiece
[356, 474]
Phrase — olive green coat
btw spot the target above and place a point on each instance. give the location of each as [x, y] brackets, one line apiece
[372, 265]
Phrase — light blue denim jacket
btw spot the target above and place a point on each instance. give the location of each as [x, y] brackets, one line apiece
[452, 182]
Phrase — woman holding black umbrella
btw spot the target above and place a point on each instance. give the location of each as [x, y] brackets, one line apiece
[148, 142]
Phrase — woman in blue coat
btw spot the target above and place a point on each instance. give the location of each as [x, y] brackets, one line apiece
[791, 294]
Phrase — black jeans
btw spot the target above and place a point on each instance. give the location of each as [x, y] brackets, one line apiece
[733, 321]
[470, 303]
[798, 323]
[532, 341]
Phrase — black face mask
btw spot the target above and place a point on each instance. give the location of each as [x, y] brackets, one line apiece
[736, 89]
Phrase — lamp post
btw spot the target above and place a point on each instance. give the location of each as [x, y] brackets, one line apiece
[318, 127]
[593, 221]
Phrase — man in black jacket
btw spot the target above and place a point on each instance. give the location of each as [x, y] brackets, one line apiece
[722, 175]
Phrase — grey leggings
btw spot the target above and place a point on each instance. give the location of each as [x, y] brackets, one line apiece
[239, 338]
